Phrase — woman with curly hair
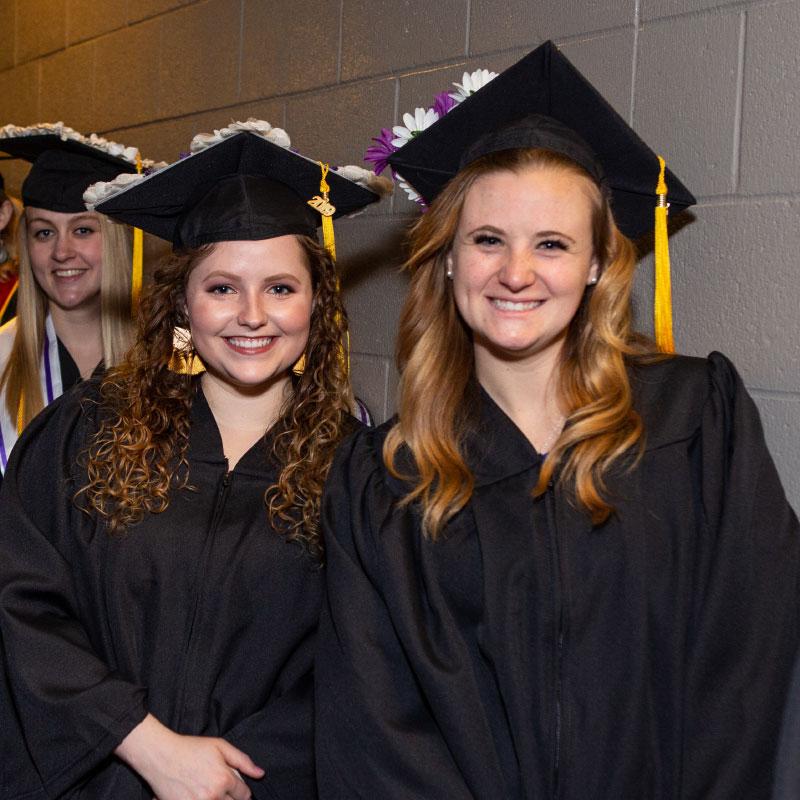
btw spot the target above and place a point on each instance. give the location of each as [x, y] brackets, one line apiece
[574, 567]
[162, 584]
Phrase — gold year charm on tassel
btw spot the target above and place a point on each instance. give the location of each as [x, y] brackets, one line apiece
[323, 205]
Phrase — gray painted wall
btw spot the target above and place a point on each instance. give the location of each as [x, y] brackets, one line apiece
[712, 85]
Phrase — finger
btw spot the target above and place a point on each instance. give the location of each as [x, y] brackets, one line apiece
[240, 790]
[238, 760]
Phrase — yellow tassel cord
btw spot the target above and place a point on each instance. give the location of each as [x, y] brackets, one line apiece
[323, 204]
[21, 415]
[138, 257]
[662, 303]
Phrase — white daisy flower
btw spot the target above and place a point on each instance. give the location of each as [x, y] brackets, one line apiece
[471, 83]
[412, 194]
[421, 119]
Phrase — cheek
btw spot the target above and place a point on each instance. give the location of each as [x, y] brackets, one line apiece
[203, 314]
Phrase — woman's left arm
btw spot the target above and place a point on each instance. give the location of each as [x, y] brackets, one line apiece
[744, 629]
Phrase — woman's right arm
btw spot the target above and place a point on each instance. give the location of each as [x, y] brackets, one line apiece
[71, 710]
[375, 735]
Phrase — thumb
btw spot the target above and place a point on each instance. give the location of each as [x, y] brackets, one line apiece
[238, 760]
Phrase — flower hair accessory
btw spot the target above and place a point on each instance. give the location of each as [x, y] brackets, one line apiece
[391, 140]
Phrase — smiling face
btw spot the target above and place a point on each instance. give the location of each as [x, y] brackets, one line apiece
[521, 260]
[249, 310]
[66, 255]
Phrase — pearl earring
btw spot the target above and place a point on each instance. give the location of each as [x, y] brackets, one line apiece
[449, 272]
[592, 281]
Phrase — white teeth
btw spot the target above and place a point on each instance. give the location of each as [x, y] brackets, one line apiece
[68, 273]
[510, 305]
[248, 343]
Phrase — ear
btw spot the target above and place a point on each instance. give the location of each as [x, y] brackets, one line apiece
[594, 272]
[6, 212]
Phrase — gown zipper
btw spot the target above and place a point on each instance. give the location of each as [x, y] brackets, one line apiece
[558, 604]
[216, 515]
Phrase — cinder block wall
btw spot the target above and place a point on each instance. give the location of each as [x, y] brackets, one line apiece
[711, 84]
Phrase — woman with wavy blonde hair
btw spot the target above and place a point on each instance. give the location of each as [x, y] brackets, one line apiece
[574, 568]
[10, 210]
[179, 557]
[73, 306]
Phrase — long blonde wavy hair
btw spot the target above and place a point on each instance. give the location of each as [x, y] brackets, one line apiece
[437, 367]
[139, 455]
[20, 377]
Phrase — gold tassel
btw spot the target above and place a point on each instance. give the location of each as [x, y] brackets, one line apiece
[138, 256]
[662, 303]
[322, 203]
[21, 415]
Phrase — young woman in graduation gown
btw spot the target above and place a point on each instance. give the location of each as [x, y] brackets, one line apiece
[159, 542]
[73, 299]
[567, 568]
[9, 217]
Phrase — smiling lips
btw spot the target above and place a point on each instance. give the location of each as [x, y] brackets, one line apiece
[68, 273]
[249, 345]
[515, 305]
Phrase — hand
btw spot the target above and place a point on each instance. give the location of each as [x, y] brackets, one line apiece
[187, 767]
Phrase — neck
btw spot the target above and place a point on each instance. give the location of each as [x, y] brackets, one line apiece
[243, 416]
[527, 391]
[80, 332]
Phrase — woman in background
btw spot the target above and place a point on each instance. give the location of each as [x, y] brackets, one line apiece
[73, 301]
[567, 568]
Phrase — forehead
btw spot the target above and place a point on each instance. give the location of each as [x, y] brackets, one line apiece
[534, 190]
[33, 214]
[258, 258]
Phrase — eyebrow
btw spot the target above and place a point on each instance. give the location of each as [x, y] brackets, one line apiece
[541, 234]
[48, 221]
[221, 273]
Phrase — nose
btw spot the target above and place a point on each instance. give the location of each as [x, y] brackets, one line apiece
[252, 310]
[63, 249]
[519, 270]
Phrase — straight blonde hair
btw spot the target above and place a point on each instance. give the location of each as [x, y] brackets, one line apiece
[21, 379]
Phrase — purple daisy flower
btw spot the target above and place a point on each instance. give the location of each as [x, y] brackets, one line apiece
[378, 154]
[442, 103]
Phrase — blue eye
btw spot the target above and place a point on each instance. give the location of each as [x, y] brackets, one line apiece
[84, 231]
[488, 239]
[221, 288]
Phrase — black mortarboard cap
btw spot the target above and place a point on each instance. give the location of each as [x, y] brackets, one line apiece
[61, 170]
[543, 101]
[241, 188]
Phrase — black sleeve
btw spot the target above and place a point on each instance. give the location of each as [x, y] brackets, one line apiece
[375, 735]
[280, 737]
[65, 711]
[744, 630]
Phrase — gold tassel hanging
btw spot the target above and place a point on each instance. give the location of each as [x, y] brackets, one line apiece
[662, 304]
[21, 415]
[138, 257]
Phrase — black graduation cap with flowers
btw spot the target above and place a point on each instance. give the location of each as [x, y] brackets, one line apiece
[543, 101]
[64, 163]
[241, 183]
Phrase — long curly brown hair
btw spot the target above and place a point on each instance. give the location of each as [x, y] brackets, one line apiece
[138, 457]
[436, 361]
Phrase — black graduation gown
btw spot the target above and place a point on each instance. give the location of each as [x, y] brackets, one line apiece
[201, 615]
[527, 655]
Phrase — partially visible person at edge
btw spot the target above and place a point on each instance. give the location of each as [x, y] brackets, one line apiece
[159, 533]
[567, 568]
[73, 300]
[9, 216]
